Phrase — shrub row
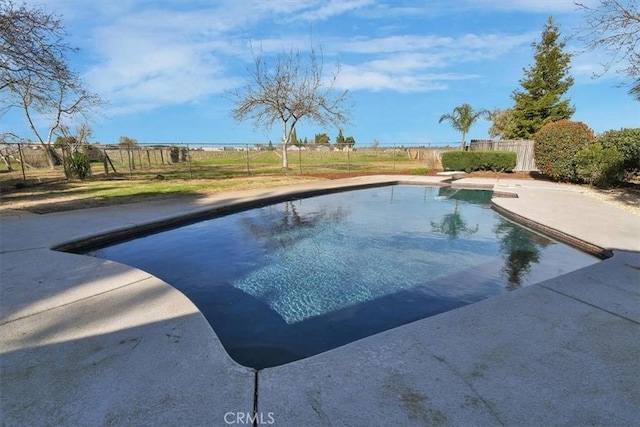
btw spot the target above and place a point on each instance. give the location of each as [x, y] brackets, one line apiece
[469, 161]
[567, 151]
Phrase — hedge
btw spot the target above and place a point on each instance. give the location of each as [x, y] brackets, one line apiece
[469, 161]
[600, 166]
[627, 142]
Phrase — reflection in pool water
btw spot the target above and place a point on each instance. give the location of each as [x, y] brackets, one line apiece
[297, 278]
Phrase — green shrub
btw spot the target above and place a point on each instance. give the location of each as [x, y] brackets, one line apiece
[78, 166]
[469, 161]
[627, 142]
[556, 145]
[420, 171]
[599, 166]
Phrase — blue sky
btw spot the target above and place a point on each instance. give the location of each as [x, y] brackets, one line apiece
[164, 66]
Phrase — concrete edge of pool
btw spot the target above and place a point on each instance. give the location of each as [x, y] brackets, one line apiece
[87, 341]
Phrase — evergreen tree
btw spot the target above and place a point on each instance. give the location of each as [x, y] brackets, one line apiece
[321, 139]
[340, 140]
[294, 138]
[543, 85]
[350, 141]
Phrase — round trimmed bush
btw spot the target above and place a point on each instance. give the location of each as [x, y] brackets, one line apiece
[556, 145]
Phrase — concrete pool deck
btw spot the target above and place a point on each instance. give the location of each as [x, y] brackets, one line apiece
[86, 341]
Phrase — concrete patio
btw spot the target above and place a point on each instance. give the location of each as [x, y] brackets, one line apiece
[86, 341]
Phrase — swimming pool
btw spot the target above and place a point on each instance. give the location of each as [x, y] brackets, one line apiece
[293, 279]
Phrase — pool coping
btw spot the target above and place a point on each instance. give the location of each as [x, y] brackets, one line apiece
[99, 240]
[236, 390]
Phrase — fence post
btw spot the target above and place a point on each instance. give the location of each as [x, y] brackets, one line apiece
[24, 177]
[189, 160]
[130, 161]
[348, 160]
[247, 148]
[394, 156]
[64, 163]
[300, 159]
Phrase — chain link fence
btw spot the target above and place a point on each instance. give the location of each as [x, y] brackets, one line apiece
[30, 161]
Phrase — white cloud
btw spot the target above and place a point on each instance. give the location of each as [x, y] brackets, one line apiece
[158, 53]
[538, 6]
[408, 63]
[368, 77]
[333, 8]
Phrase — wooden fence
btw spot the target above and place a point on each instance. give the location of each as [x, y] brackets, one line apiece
[431, 156]
[524, 150]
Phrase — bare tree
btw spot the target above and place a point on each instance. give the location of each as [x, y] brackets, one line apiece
[75, 142]
[288, 92]
[502, 123]
[34, 73]
[127, 142]
[614, 26]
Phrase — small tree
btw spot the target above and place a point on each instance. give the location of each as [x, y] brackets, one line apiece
[35, 75]
[288, 92]
[294, 138]
[502, 122]
[76, 149]
[350, 142]
[540, 102]
[126, 142]
[340, 140]
[462, 118]
[321, 139]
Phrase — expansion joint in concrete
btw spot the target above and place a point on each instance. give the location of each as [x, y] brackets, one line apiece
[73, 302]
[23, 250]
[255, 399]
[487, 404]
[590, 304]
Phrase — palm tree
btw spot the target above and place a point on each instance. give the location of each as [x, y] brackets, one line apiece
[453, 225]
[462, 118]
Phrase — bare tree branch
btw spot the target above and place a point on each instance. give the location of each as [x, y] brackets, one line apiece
[34, 73]
[614, 27]
[290, 91]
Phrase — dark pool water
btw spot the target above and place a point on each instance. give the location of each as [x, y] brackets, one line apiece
[290, 280]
